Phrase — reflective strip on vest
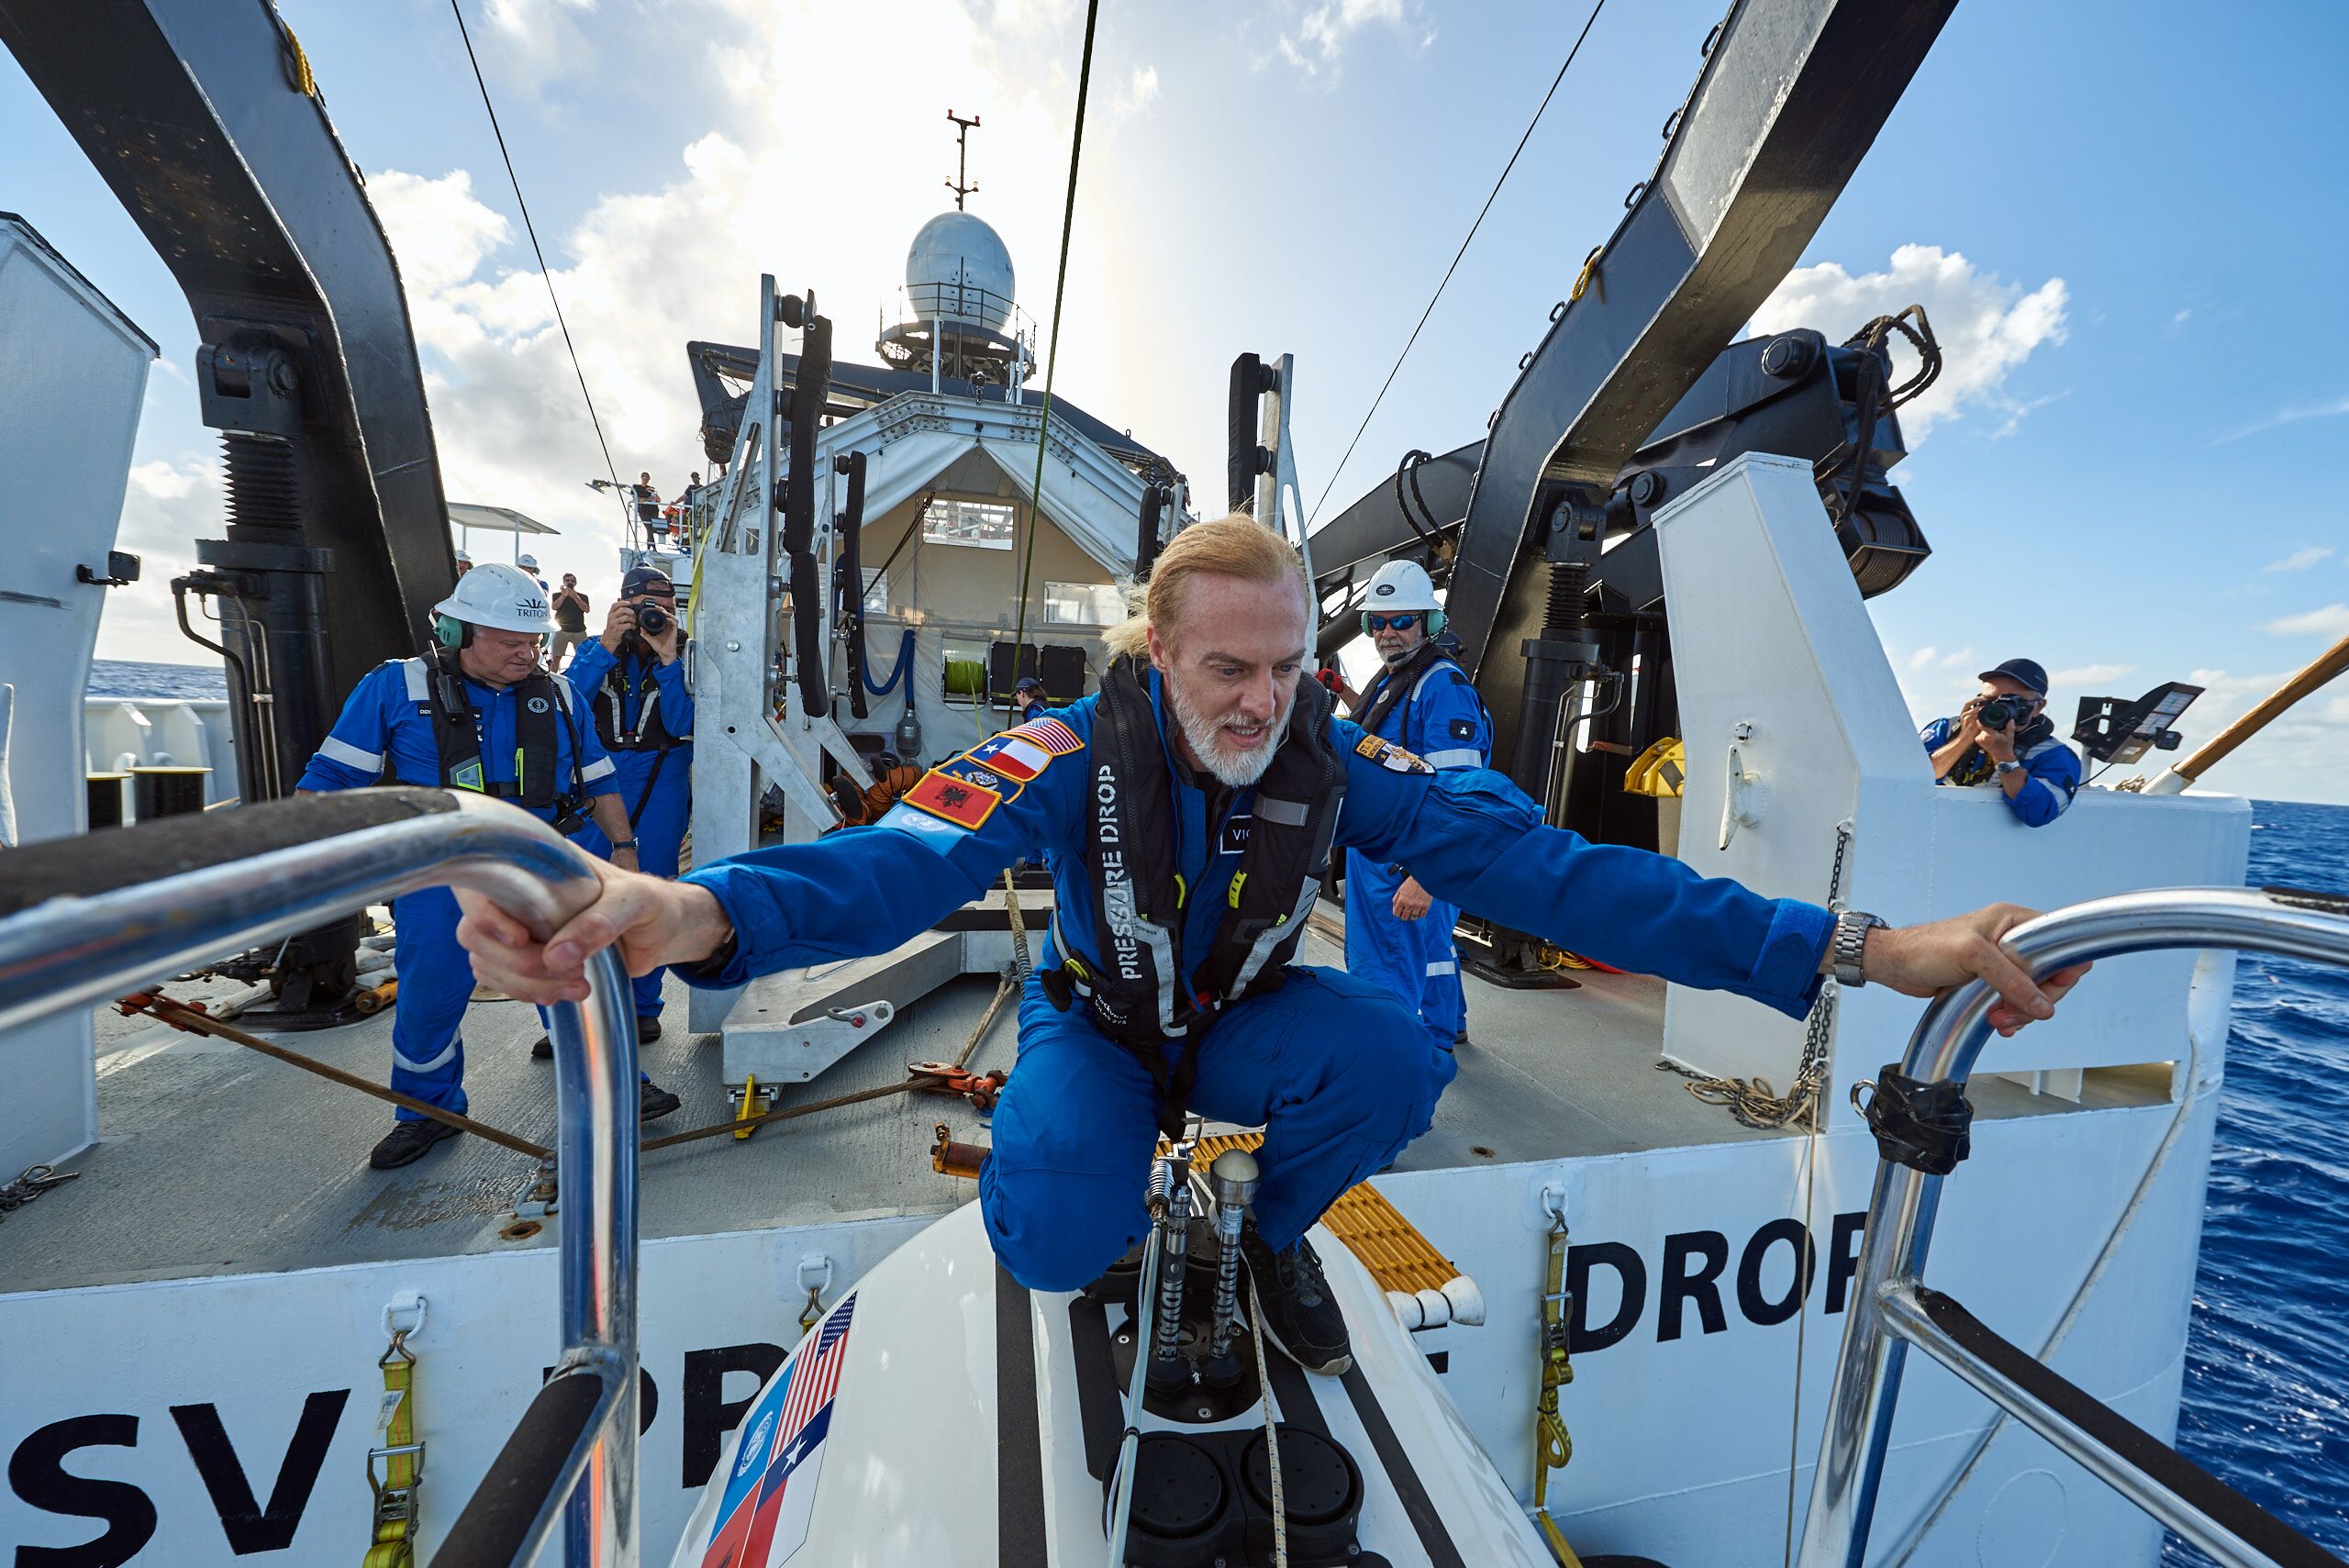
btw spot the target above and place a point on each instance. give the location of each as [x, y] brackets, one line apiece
[1458, 757]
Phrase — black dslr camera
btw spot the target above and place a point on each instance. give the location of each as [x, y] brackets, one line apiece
[651, 619]
[1999, 712]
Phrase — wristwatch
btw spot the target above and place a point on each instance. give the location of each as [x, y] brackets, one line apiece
[2008, 766]
[1852, 928]
[624, 844]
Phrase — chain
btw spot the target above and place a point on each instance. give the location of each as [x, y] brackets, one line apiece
[1752, 1101]
[37, 1180]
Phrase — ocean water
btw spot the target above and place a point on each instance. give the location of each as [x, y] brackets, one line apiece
[2266, 1405]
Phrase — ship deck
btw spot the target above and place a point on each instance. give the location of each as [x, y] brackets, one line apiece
[214, 1160]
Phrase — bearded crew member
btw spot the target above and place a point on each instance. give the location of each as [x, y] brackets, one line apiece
[1398, 933]
[633, 680]
[478, 713]
[1167, 983]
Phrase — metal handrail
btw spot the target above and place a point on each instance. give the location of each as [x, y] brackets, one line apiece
[1892, 1308]
[74, 950]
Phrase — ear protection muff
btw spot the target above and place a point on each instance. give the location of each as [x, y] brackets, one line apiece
[451, 632]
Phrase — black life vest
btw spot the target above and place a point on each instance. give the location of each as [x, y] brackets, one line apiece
[1135, 985]
[1395, 683]
[542, 703]
[652, 731]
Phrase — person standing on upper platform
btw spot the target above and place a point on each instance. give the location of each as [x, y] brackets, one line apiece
[633, 680]
[479, 714]
[1398, 933]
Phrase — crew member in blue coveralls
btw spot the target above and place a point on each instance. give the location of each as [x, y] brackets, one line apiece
[2019, 755]
[633, 680]
[1027, 699]
[479, 714]
[1398, 933]
[1167, 983]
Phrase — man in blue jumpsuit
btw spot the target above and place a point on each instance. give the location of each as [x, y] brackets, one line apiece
[479, 714]
[1181, 810]
[633, 680]
[1396, 932]
[2020, 756]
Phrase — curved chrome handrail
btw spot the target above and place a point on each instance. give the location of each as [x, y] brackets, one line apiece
[1886, 1316]
[73, 952]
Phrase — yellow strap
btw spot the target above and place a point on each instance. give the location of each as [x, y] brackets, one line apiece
[1553, 1446]
[394, 1542]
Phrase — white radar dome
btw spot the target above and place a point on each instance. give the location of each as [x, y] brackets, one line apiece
[958, 269]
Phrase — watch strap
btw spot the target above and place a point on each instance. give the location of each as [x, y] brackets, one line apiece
[1849, 945]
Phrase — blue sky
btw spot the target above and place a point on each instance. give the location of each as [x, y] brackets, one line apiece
[2130, 218]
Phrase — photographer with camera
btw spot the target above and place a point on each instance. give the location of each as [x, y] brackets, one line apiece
[2003, 737]
[633, 678]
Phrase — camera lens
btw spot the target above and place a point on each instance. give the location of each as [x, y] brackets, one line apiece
[651, 618]
[1996, 713]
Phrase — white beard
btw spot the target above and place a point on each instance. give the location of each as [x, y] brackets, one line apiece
[1232, 768]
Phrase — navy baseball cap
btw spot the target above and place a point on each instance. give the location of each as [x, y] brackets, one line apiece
[2027, 671]
[641, 578]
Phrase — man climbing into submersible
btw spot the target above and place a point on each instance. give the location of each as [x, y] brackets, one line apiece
[1167, 983]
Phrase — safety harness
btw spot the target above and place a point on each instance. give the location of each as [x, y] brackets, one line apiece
[1135, 986]
[1976, 766]
[438, 686]
[651, 732]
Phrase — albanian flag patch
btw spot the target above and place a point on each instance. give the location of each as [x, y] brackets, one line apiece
[963, 802]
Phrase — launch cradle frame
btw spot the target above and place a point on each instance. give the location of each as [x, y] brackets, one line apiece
[81, 922]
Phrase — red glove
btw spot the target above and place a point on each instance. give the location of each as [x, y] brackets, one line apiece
[1328, 675]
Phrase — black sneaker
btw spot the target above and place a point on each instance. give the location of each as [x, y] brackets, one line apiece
[653, 1101]
[407, 1142]
[647, 1031]
[1301, 1320]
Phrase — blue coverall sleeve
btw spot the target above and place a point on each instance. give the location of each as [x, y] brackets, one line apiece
[352, 754]
[590, 662]
[865, 890]
[1473, 838]
[595, 770]
[2055, 779]
[1449, 726]
[677, 698]
[1935, 735]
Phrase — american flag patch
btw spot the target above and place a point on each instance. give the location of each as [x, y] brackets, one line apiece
[963, 802]
[1054, 736]
[771, 1488]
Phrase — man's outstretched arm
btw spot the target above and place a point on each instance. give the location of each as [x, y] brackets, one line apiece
[1476, 839]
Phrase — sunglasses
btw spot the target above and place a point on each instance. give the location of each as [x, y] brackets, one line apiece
[1391, 623]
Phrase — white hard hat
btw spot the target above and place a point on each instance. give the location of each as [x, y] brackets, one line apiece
[1401, 585]
[501, 597]
[463, 560]
[528, 563]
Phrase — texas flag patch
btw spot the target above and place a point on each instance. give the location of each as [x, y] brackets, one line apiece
[1054, 737]
[1013, 755]
[963, 802]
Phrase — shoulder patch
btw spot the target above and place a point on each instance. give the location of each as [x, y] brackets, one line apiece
[1463, 729]
[1012, 754]
[1391, 757]
[962, 801]
[1057, 739]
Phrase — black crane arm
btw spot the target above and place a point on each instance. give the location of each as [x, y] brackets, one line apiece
[1791, 96]
[204, 118]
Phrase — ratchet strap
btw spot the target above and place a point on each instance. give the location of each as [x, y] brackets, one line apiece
[1552, 1445]
[402, 1460]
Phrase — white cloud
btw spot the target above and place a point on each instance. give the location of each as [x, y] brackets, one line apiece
[2088, 679]
[1986, 326]
[1318, 42]
[2330, 621]
[2331, 409]
[168, 505]
[2300, 560]
[1960, 659]
[1140, 91]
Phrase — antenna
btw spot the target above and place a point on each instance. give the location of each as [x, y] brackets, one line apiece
[959, 184]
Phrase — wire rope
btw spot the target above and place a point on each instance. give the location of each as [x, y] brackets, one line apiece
[1446, 280]
[1052, 350]
[546, 274]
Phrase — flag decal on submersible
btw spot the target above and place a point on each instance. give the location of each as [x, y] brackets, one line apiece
[763, 1518]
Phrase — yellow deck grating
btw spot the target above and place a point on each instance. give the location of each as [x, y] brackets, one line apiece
[1389, 1246]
